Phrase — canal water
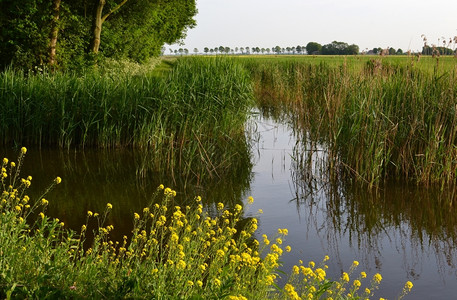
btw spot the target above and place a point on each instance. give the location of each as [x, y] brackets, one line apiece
[402, 231]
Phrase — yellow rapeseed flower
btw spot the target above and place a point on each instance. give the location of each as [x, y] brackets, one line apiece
[136, 216]
[355, 263]
[58, 180]
[377, 278]
[296, 270]
[356, 283]
[44, 201]
[250, 200]
[23, 150]
[363, 274]
[217, 282]
[109, 206]
[288, 248]
[320, 273]
[5, 160]
[409, 285]
[345, 277]
[89, 213]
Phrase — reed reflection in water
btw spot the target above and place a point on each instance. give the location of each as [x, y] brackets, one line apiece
[403, 231]
[92, 178]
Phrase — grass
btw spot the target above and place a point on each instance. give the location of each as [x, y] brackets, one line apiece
[188, 118]
[380, 119]
[187, 252]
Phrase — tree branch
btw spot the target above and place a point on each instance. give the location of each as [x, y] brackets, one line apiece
[113, 10]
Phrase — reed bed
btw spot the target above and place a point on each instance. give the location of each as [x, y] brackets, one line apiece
[189, 120]
[387, 120]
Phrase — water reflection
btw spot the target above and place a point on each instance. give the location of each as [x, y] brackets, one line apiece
[404, 231]
[94, 177]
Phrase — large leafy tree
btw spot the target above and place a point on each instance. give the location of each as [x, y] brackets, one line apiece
[68, 32]
[313, 48]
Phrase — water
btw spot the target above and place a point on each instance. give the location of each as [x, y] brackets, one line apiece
[403, 232]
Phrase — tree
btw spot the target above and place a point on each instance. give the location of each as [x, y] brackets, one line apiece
[206, 50]
[352, 49]
[99, 19]
[62, 32]
[196, 50]
[277, 49]
[392, 51]
[339, 48]
[399, 51]
[313, 48]
[54, 33]
[298, 49]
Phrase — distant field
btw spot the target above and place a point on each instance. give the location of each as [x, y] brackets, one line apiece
[443, 63]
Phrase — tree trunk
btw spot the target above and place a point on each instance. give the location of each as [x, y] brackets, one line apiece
[98, 22]
[97, 26]
[54, 33]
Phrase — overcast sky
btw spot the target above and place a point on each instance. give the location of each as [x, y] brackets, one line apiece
[369, 24]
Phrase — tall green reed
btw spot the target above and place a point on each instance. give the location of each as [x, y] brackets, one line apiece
[387, 120]
[183, 119]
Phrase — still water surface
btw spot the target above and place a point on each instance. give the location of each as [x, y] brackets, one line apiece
[403, 232]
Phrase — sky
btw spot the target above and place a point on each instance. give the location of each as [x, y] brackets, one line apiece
[368, 24]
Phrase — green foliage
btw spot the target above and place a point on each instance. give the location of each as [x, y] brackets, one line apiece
[141, 28]
[339, 48]
[313, 48]
[136, 31]
[24, 35]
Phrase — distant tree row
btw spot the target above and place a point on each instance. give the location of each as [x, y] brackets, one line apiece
[433, 50]
[334, 48]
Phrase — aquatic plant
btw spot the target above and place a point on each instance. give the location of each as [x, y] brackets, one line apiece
[188, 120]
[382, 119]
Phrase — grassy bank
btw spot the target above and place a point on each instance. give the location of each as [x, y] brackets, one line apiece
[172, 252]
[188, 120]
[380, 118]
